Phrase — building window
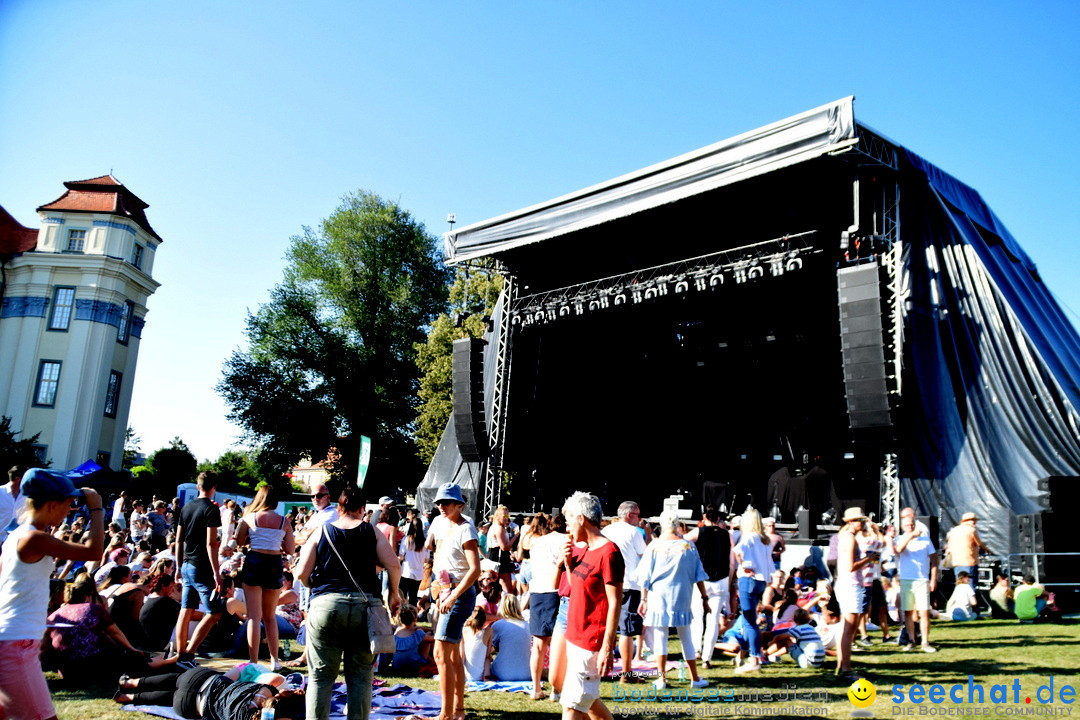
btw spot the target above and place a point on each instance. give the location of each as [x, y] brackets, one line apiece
[63, 304]
[76, 241]
[112, 393]
[137, 256]
[48, 380]
[123, 330]
[103, 458]
[41, 452]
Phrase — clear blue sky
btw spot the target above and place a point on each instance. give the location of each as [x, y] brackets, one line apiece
[241, 122]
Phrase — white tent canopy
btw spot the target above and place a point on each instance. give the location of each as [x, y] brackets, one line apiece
[826, 129]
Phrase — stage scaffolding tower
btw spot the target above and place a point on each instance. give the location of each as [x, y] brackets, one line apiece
[497, 428]
[873, 151]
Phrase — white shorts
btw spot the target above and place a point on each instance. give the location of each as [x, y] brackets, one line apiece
[915, 594]
[849, 598]
[581, 686]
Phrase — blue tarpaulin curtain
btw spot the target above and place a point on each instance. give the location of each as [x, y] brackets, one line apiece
[990, 388]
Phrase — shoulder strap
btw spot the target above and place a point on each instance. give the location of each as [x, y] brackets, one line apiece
[333, 547]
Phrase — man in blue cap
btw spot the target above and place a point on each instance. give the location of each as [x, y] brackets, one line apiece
[24, 585]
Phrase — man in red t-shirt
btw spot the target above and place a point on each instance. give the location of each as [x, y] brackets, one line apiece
[596, 577]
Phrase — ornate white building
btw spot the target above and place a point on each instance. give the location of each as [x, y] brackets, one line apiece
[73, 308]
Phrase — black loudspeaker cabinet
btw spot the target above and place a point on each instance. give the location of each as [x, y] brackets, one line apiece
[807, 529]
[1029, 533]
[469, 421]
[862, 346]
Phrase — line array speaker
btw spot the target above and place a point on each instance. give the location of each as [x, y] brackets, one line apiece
[1029, 530]
[862, 346]
[469, 421]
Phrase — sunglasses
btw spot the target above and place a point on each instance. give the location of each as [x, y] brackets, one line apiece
[316, 496]
[445, 502]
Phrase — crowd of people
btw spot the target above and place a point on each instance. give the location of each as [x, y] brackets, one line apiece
[572, 593]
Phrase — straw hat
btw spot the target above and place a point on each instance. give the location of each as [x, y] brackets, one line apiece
[854, 513]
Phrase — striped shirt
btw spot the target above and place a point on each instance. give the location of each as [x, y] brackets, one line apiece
[809, 643]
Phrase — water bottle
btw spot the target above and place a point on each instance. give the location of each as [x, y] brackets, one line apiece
[267, 713]
[682, 672]
[287, 647]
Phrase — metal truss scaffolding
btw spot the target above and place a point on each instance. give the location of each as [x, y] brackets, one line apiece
[497, 428]
[703, 273]
[890, 491]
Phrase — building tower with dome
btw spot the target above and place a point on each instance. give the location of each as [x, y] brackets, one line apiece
[72, 309]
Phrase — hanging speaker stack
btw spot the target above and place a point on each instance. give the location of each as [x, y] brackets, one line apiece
[862, 346]
[469, 423]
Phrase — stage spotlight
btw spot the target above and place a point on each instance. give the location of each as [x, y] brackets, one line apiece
[849, 456]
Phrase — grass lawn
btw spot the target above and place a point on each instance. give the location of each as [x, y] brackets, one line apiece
[995, 652]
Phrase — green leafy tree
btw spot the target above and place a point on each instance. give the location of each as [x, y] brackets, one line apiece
[332, 355]
[172, 466]
[238, 471]
[143, 474]
[16, 452]
[472, 300]
[131, 447]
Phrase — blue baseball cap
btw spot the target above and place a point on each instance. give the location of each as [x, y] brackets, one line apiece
[450, 491]
[42, 484]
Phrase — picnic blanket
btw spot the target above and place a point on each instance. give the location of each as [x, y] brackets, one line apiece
[387, 703]
[526, 686]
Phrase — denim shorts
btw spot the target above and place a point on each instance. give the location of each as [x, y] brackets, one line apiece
[563, 618]
[630, 622]
[262, 570]
[450, 624]
[197, 591]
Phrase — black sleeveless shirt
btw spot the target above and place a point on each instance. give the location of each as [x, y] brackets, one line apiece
[357, 547]
[714, 547]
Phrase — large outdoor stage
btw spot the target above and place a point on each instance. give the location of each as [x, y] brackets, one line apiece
[808, 297]
[723, 384]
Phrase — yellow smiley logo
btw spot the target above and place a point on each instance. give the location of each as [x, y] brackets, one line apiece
[862, 693]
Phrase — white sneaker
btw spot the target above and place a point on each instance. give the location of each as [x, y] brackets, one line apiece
[871, 627]
[659, 683]
[748, 667]
[929, 649]
[700, 683]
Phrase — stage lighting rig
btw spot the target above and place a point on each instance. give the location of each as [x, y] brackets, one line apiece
[740, 265]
